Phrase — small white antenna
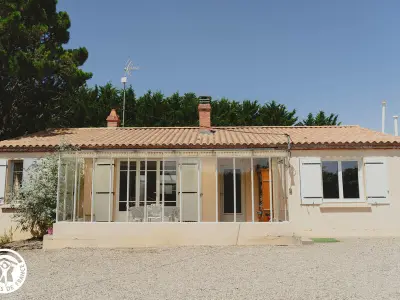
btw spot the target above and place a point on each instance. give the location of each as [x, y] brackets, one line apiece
[129, 67]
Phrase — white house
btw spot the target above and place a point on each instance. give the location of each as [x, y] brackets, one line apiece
[212, 185]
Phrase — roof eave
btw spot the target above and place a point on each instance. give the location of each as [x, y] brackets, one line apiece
[319, 146]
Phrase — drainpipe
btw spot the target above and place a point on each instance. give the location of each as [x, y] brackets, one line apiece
[383, 115]
[396, 129]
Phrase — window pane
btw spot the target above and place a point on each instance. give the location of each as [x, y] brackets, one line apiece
[169, 183]
[151, 187]
[151, 165]
[350, 179]
[122, 186]
[124, 166]
[229, 190]
[123, 177]
[122, 206]
[18, 166]
[132, 188]
[169, 165]
[261, 163]
[330, 179]
[17, 176]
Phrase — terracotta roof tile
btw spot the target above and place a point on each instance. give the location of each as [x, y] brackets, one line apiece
[192, 138]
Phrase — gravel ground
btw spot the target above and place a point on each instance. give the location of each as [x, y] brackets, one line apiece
[351, 269]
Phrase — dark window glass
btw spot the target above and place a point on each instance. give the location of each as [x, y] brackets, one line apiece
[169, 183]
[132, 188]
[122, 186]
[122, 206]
[18, 166]
[151, 187]
[123, 178]
[350, 179]
[151, 165]
[228, 192]
[17, 175]
[124, 165]
[330, 179]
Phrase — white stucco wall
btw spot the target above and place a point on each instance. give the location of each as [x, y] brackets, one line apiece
[345, 219]
[7, 223]
[326, 220]
[6, 214]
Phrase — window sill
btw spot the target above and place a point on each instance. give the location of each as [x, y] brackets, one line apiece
[5, 205]
[8, 205]
[344, 204]
[7, 208]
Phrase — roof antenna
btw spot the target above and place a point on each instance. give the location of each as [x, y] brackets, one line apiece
[129, 67]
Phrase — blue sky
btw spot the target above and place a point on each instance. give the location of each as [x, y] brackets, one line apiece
[339, 56]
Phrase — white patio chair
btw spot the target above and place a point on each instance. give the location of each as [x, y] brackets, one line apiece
[174, 214]
[136, 214]
[154, 212]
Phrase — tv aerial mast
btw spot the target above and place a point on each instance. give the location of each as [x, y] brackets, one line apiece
[129, 67]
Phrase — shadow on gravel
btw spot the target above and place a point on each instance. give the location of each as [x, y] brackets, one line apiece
[29, 244]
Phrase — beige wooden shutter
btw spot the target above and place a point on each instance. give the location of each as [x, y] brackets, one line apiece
[376, 180]
[311, 180]
[102, 190]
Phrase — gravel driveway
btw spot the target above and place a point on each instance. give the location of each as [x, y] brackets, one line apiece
[351, 269]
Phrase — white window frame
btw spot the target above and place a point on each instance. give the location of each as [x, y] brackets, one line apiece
[340, 178]
[119, 182]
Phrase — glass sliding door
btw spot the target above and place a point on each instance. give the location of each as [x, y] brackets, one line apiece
[168, 188]
[231, 178]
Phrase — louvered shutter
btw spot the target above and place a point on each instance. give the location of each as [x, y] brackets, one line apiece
[3, 175]
[103, 192]
[376, 180]
[189, 191]
[311, 180]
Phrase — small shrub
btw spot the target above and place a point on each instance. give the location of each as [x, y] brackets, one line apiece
[7, 237]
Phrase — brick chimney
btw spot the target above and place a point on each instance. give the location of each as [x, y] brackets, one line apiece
[113, 119]
[205, 113]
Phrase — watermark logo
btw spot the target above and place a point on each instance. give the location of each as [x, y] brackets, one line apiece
[13, 271]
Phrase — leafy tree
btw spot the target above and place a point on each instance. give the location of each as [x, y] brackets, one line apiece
[90, 106]
[35, 200]
[274, 114]
[249, 113]
[320, 119]
[36, 73]
[150, 110]
[221, 113]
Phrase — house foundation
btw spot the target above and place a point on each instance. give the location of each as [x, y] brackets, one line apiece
[127, 235]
